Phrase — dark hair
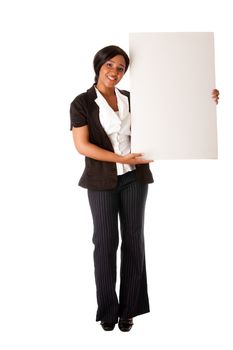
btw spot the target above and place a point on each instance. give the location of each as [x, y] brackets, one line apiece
[106, 54]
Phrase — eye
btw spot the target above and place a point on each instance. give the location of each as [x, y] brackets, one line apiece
[109, 64]
[121, 69]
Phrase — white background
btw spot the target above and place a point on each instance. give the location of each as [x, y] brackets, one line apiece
[47, 292]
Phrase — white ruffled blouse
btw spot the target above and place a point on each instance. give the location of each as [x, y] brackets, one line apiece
[117, 126]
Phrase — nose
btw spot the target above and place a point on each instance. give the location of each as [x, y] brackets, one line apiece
[113, 70]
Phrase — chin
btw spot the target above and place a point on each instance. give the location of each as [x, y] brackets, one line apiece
[111, 84]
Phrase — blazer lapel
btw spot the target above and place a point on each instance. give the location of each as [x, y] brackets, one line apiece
[93, 111]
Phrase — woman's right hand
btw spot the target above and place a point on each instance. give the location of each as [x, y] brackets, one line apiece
[88, 149]
[134, 158]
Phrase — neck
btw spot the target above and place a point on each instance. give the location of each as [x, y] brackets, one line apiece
[105, 90]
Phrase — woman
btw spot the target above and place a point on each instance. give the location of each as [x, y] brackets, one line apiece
[117, 183]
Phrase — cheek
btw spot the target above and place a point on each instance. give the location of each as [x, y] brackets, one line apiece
[103, 70]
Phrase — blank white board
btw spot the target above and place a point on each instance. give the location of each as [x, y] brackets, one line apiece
[172, 76]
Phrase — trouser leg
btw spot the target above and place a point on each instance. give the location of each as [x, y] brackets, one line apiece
[104, 208]
[133, 287]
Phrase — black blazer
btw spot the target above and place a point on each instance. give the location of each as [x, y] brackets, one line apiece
[99, 175]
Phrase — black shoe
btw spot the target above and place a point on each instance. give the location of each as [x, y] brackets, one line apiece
[107, 326]
[125, 325]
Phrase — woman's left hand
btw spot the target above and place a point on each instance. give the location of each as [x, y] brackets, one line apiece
[215, 95]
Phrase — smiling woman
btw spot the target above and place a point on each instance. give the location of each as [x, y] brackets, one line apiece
[117, 183]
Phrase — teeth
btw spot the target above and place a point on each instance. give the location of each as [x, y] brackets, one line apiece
[111, 78]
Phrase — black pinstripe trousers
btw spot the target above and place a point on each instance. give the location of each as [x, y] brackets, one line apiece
[126, 202]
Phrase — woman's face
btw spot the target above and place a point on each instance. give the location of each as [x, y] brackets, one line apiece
[112, 71]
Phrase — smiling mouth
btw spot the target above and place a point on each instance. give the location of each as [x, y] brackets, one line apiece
[111, 78]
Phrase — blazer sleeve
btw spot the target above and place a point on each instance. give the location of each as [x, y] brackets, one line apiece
[78, 112]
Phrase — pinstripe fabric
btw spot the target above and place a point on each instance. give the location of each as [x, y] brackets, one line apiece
[127, 201]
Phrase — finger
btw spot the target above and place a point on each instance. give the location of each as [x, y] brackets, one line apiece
[135, 155]
[215, 92]
[215, 96]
